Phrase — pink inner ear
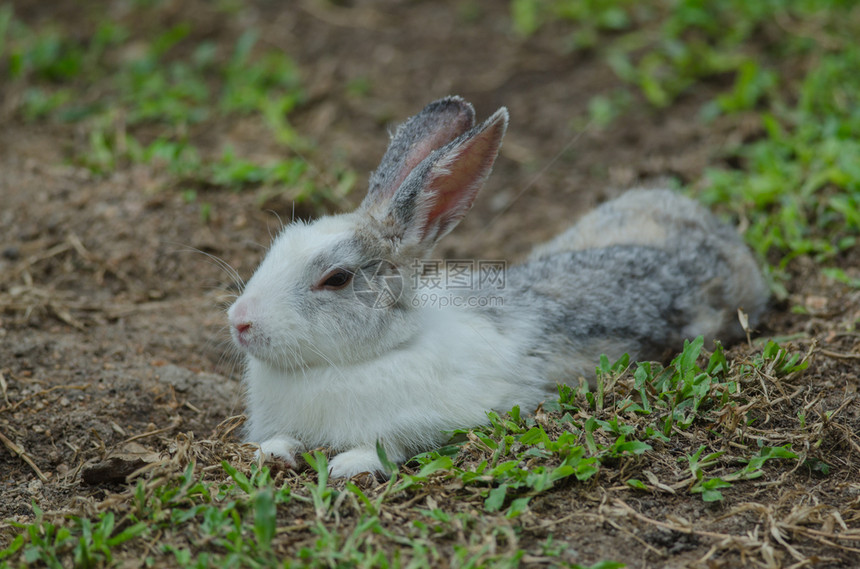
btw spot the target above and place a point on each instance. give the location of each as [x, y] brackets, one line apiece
[456, 179]
[422, 148]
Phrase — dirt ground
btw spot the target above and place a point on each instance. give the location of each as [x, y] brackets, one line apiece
[112, 325]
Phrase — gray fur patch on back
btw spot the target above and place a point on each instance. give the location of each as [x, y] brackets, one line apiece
[692, 235]
[635, 296]
[639, 300]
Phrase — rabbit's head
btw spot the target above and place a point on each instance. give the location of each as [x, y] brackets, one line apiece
[337, 291]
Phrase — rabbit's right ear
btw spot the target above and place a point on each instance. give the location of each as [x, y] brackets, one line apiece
[438, 192]
[436, 125]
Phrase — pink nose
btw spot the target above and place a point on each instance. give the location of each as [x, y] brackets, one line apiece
[243, 327]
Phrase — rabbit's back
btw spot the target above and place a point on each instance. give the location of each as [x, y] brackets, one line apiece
[639, 274]
[658, 218]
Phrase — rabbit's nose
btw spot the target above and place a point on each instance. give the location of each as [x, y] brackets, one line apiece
[243, 332]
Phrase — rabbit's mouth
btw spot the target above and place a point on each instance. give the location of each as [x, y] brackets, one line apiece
[277, 355]
[251, 340]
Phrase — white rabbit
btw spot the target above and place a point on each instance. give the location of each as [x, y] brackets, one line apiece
[347, 345]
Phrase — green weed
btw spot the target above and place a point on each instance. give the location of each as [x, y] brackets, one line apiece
[242, 517]
[172, 85]
[797, 182]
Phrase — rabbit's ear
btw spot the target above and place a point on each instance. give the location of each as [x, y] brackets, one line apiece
[436, 194]
[438, 124]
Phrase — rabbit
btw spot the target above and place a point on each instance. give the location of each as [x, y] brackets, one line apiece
[327, 365]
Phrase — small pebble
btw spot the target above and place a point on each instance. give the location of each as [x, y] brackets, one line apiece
[12, 253]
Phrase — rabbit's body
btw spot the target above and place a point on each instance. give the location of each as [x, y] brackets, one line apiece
[436, 381]
[637, 275]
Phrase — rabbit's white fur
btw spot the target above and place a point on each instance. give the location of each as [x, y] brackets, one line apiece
[637, 275]
[448, 375]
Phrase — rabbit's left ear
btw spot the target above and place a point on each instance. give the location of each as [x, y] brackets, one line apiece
[436, 125]
[440, 190]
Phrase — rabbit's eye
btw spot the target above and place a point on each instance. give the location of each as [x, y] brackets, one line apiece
[336, 279]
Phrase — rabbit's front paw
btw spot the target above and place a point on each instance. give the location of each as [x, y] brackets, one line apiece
[283, 448]
[348, 464]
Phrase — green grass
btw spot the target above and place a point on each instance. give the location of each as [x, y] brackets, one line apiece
[242, 516]
[797, 183]
[140, 99]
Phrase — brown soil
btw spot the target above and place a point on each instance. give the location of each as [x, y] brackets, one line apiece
[112, 321]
